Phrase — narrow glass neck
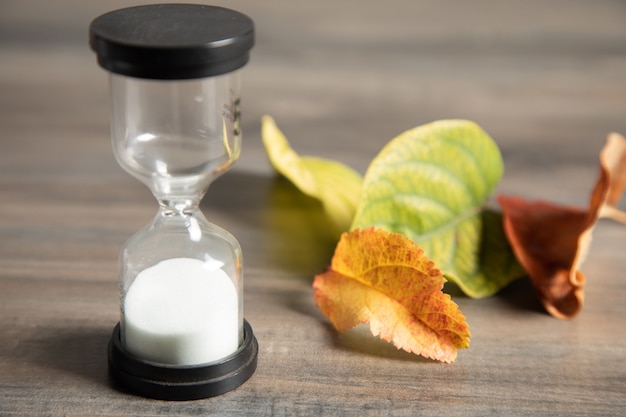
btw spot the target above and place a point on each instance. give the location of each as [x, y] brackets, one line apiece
[172, 206]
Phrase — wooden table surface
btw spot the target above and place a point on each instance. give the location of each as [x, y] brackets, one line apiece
[547, 80]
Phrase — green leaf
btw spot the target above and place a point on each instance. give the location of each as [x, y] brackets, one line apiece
[335, 185]
[431, 184]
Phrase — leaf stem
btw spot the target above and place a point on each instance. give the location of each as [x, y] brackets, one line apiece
[613, 213]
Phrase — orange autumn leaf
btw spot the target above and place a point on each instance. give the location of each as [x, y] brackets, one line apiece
[551, 241]
[384, 279]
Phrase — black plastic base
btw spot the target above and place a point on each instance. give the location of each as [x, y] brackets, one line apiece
[171, 382]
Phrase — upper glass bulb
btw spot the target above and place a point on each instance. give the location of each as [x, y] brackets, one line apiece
[176, 136]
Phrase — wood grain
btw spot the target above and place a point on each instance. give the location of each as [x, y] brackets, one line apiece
[547, 80]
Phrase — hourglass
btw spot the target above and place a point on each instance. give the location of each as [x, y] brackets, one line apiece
[175, 126]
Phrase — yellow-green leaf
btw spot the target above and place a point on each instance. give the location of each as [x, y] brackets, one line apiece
[432, 184]
[384, 279]
[335, 185]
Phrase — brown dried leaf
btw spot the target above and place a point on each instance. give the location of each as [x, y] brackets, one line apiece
[551, 241]
[613, 163]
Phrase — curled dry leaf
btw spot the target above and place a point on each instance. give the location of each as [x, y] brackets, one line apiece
[613, 161]
[386, 280]
[551, 241]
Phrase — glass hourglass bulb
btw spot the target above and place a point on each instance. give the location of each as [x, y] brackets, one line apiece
[176, 136]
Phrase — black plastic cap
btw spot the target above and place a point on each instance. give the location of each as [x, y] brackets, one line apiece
[172, 41]
[179, 383]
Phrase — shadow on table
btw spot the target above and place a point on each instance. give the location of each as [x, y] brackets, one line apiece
[284, 229]
[359, 339]
[302, 238]
[80, 351]
[521, 295]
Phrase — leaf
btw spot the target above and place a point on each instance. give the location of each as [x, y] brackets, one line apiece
[431, 184]
[384, 279]
[546, 238]
[551, 241]
[613, 166]
[335, 185]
